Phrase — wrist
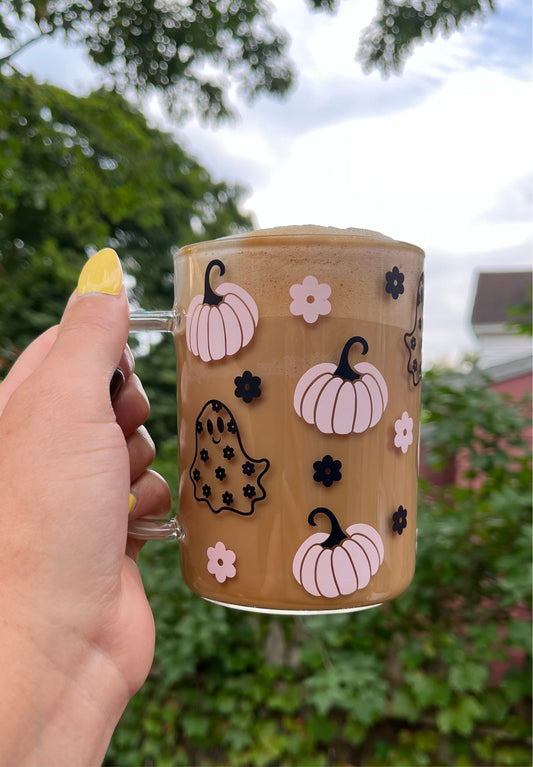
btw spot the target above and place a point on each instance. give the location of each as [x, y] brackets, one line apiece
[63, 707]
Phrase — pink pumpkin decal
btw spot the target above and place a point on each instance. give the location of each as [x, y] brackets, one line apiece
[220, 324]
[340, 563]
[342, 399]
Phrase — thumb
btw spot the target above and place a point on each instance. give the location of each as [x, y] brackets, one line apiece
[94, 328]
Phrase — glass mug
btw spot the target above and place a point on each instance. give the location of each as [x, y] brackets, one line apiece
[298, 367]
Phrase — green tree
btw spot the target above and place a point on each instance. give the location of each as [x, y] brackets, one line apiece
[399, 27]
[190, 51]
[77, 174]
[196, 52]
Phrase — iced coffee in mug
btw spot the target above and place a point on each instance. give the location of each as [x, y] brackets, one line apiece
[299, 368]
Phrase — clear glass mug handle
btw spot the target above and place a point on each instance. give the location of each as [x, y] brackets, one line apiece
[143, 528]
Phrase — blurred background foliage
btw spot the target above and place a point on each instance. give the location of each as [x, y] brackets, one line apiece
[440, 676]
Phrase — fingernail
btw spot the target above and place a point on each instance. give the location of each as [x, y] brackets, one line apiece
[101, 274]
[132, 503]
[118, 380]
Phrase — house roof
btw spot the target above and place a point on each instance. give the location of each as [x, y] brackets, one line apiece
[498, 291]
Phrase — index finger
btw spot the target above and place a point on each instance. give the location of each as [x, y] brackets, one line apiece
[26, 364]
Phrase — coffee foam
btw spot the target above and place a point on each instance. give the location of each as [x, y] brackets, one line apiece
[313, 229]
[306, 235]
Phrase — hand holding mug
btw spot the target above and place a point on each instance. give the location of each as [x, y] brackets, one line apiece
[77, 632]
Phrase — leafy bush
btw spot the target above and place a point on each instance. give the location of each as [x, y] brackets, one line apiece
[428, 679]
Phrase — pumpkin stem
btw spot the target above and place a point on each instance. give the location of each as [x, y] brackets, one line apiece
[337, 534]
[210, 297]
[344, 369]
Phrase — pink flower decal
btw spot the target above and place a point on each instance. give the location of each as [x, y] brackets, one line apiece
[310, 299]
[404, 432]
[220, 562]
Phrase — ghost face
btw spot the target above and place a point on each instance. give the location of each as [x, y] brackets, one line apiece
[215, 429]
[223, 474]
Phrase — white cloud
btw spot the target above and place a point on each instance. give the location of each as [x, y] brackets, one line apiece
[428, 172]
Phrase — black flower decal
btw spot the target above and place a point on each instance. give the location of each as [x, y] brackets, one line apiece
[247, 386]
[232, 427]
[248, 491]
[217, 406]
[196, 475]
[399, 520]
[228, 453]
[327, 471]
[248, 468]
[204, 455]
[199, 427]
[220, 472]
[206, 491]
[394, 284]
[227, 498]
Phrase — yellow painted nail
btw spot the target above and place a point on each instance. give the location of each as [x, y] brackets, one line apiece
[101, 274]
[132, 502]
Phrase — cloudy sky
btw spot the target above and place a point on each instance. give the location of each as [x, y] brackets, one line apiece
[439, 156]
